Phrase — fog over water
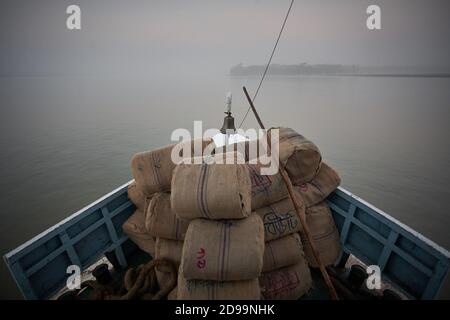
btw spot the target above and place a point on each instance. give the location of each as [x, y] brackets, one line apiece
[76, 105]
[210, 36]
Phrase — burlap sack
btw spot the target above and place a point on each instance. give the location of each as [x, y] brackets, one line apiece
[217, 290]
[319, 188]
[134, 227]
[137, 197]
[266, 189]
[288, 283]
[173, 294]
[161, 220]
[300, 157]
[224, 250]
[283, 252]
[170, 250]
[280, 219]
[217, 191]
[325, 234]
[152, 170]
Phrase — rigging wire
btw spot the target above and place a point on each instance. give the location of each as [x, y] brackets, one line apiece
[268, 63]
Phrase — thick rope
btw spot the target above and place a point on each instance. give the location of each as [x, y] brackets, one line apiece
[138, 283]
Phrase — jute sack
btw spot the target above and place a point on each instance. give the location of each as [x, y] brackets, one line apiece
[320, 187]
[325, 234]
[300, 157]
[134, 227]
[152, 170]
[161, 220]
[137, 197]
[217, 191]
[288, 283]
[224, 250]
[283, 252]
[266, 189]
[170, 250]
[280, 219]
[173, 294]
[217, 290]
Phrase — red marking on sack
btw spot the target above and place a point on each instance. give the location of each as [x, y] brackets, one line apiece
[304, 187]
[201, 263]
[284, 282]
[201, 253]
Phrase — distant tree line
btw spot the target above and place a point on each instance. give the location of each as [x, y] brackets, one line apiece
[336, 69]
[293, 69]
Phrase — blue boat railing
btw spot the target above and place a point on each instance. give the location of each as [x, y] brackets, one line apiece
[39, 266]
[411, 262]
[414, 264]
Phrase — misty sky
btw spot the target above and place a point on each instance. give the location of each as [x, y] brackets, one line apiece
[186, 36]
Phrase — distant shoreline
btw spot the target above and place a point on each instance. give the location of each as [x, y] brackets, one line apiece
[304, 69]
[384, 75]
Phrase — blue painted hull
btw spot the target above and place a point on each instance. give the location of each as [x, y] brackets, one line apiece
[412, 263]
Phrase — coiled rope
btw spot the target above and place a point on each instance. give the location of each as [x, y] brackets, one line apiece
[138, 283]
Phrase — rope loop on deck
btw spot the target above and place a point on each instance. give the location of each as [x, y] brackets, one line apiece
[138, 283]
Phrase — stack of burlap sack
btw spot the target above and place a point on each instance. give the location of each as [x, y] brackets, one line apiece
[287, 253]
[222, 256]
[154, 227]
[314, 181]
[242, 236]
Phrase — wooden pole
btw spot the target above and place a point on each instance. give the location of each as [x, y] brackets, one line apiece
[300, 213]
